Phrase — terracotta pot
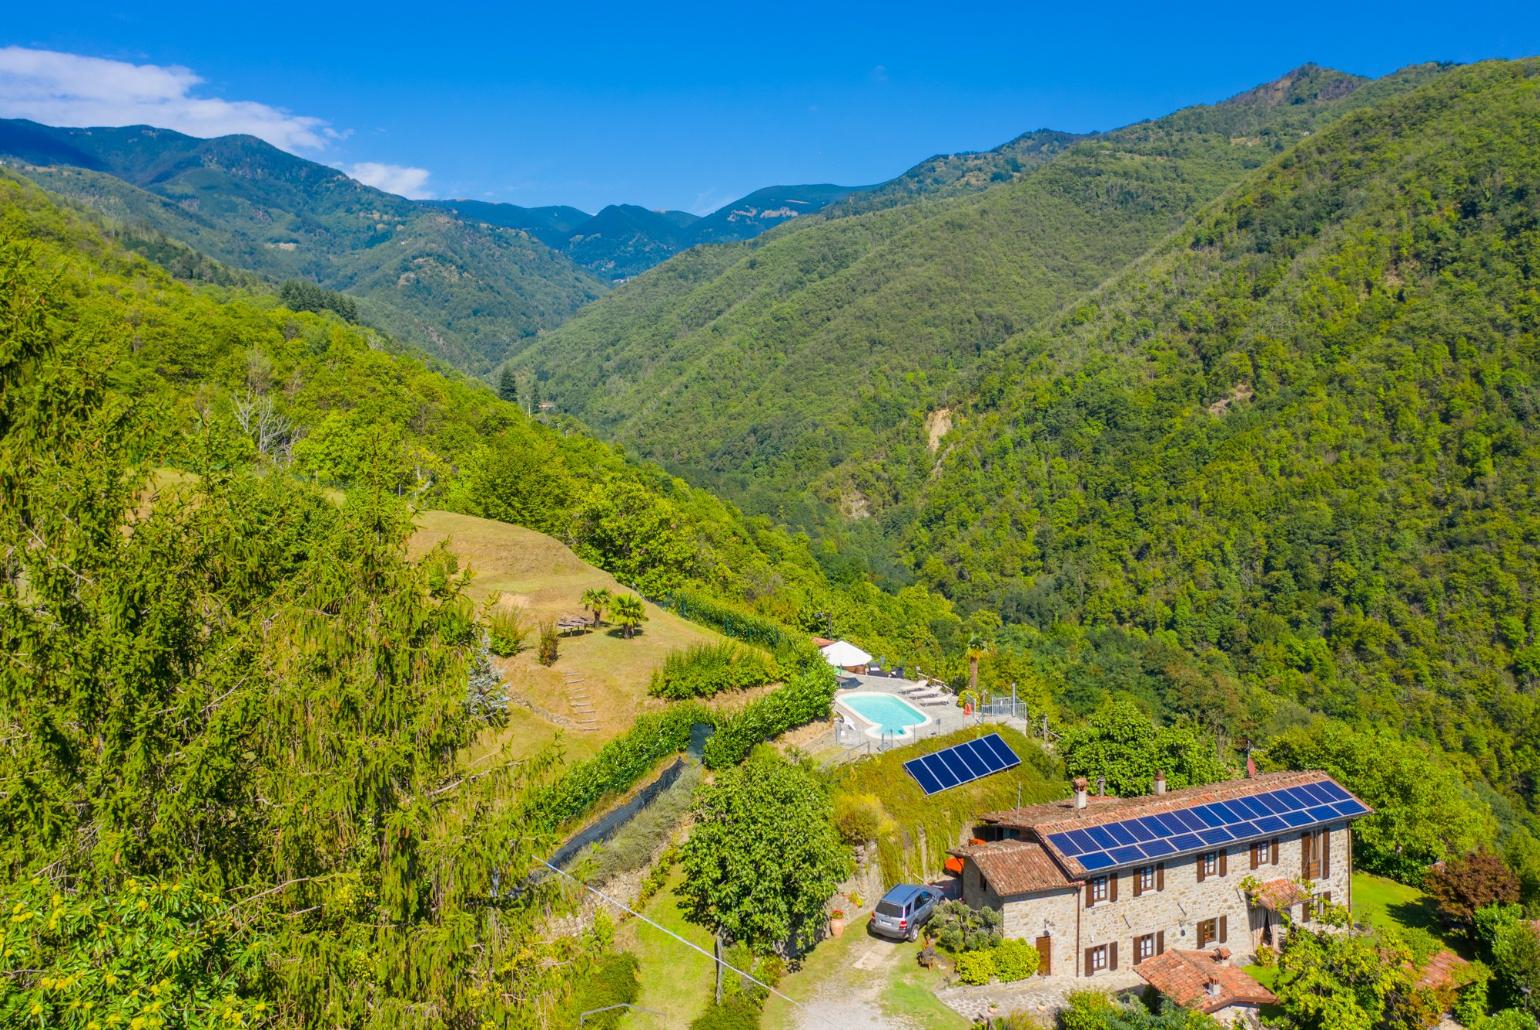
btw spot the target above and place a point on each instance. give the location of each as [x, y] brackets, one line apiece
[836, 926]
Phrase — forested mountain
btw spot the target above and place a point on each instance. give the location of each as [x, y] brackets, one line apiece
[624, 240]
[1301, 437]
[949, 174]
[235, 718]
[464, 291]
[759, 369]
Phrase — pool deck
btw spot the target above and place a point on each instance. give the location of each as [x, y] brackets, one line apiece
[945, 718]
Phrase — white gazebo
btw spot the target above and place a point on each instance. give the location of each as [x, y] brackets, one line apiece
[844, 655]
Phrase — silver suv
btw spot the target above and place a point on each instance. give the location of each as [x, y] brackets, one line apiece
[903, 910]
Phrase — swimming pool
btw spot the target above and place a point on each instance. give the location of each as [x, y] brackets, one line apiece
[883, 714]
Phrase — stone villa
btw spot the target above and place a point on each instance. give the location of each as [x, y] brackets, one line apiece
[1101, 882]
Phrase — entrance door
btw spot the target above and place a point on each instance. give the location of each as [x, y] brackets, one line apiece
[1044, 956]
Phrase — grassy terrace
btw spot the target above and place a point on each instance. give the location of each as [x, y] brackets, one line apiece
[928, 826]
[542, 579]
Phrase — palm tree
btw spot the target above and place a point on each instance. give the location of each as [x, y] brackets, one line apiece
[977, 645]
[596, 599]
[629, 613]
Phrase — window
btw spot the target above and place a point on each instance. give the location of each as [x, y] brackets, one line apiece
[1100, 958]
[1211, 930]
[1264, 852]
[1144, 947]
[1211, 863]
[1099, 888]
[1315, 847]
[1144, 879]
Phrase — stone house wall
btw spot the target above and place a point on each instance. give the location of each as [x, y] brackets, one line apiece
[1175, 910]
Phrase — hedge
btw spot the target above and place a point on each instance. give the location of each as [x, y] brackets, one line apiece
[805, 697]
[617, 766]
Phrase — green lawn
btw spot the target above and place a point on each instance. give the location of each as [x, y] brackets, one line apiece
[930, 824]
[1388, 904]
[676, 981]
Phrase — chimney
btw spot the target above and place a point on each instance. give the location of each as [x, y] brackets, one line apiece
[1080, 791]
[1101, 786]
[1221, 956]
[1212, 987]
[1160, 782]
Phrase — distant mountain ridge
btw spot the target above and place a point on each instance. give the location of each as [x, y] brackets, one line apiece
[464, 291]
[624, 240]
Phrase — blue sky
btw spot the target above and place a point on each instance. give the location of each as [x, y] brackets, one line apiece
[683, 106]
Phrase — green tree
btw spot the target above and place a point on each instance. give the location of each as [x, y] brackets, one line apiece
[508, 385]
[764, 856]
[629, 613]
[1422, 812]
[1332, 979]
[1516, 965]
[596, 600]
[1119, 741]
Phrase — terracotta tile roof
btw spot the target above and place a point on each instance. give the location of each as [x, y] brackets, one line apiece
[1015, 866]
[1440, 970]
[1059, 816]
[1185, 976]
[1279, 894]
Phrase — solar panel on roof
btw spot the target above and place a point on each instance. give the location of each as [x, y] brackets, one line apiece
[1128, 841]
[964, 763]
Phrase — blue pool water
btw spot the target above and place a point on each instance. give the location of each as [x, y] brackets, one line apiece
[888, 714]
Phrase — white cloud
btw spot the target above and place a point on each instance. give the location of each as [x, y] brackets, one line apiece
[70, 89]
[411, 183]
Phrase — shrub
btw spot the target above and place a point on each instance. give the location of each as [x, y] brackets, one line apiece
[976, 967]
[708, 669]
[736, 1012]
[549, 646]
[860, 817]
[1470, 1006]
[611, 981]
[505, 633]
[806, 697]
[1014, 960]
[1462, 885]
[958, 928]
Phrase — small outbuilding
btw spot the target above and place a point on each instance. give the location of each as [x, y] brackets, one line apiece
[1206, 982]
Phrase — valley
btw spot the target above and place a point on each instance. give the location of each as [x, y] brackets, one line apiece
[982, 597]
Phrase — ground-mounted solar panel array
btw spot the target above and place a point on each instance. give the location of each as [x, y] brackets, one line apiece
[1206, 826]
[963, 763]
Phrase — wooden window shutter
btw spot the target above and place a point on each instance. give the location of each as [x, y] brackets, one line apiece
[1160, 942]
[1304, 856]
[1275, 851]
[1160, 876]
[1224, 929]
[1138, 882]
[1112, 886]
[1256, 855]
[1090, 893]
[1224, 865]
[1325, 853]
[1202, 865]
[1112, 956]
[1089, 968]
